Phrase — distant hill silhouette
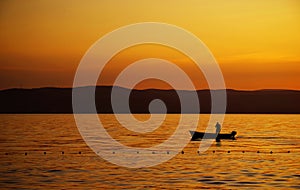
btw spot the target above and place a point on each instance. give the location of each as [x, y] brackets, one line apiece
[59, 100]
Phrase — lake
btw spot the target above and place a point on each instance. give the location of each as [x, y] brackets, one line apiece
[47, 151]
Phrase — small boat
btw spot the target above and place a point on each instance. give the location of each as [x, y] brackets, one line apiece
[199, 135]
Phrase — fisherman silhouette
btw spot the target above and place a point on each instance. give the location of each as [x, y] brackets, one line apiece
[218, 128]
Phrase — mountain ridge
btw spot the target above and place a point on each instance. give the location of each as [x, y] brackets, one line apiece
[59, 100]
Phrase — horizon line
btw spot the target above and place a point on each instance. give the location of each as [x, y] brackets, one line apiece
[144, 89]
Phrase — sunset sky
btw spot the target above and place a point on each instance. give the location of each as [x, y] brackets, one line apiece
[256, 43]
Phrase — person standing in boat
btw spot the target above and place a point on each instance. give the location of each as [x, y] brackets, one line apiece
[218, 128]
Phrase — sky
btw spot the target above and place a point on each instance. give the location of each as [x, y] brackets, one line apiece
[256, 43]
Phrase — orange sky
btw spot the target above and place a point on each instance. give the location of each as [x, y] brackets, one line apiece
[256, 43]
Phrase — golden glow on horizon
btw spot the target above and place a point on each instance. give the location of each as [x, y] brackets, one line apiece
[256, 43]
[130, 55]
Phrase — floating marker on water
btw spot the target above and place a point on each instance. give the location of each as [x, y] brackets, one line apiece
[153, 152]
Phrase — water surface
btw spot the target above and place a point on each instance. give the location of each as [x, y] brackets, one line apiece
[47, 151]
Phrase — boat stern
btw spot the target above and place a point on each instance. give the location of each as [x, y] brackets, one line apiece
[192, 133]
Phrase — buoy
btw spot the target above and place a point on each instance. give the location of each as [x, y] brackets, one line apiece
[289, 151]
[228, 151]
[243, 151]
[271, 152]
[198, 152]
[258, 151]
[62, 152]
[79, 152]
[214, 151]
[182, 152]
[44, 152]
[25, 153]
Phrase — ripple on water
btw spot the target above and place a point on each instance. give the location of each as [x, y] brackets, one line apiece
[217, 183]
[249, 182]
[49, 181]
[287, 176]
[280, 179]
[77, 181]
[205, 180]
[269, 175]
[54, 171]
[295, 186]
[11, 171]
[208, 177]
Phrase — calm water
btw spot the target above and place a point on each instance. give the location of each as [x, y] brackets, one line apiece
[45, 137]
